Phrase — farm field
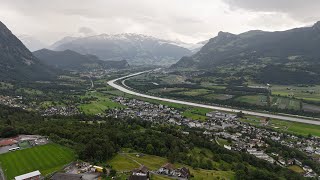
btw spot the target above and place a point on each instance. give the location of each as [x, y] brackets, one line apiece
[311, 93]
[311, 108]
[292, 127]
[285, 103]
[254, 99]
[278, 102]
[194, 92]
[166, 90]
[125, 162]
[4, 85]
[99, 105]
[47, 159]
[218, 96]
[283, 96]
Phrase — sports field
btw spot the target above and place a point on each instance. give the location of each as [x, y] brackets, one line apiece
[47, 159]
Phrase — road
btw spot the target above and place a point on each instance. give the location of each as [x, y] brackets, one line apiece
[126, 89]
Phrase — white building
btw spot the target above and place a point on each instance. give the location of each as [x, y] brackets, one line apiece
[35, 175]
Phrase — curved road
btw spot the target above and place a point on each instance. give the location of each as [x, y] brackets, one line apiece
[281, 117]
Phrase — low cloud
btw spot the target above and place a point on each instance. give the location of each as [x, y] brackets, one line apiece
[86, 31]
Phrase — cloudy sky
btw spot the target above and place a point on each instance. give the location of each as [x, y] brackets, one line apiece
[186, 20]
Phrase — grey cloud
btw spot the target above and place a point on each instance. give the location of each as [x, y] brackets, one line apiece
[86, 31]
[188, 20]
[301, 10]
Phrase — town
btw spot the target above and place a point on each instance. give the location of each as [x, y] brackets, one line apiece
[241, 135]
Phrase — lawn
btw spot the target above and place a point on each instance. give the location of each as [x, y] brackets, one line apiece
[223, 142]
[296, 169]
[196, 113]
[122, 163]
[158, 177]
[47, 159]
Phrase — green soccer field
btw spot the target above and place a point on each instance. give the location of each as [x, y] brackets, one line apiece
[47, 159]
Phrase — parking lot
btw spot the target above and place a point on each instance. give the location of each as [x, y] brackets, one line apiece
[21, 141]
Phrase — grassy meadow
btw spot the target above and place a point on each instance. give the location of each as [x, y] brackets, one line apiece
[128, 161]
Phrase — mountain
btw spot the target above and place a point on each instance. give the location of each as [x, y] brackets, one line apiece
[70, 60]
[192, 47]
[62, 41]
[17, 62]
[137, 49]
[31, 43]
[290, 56]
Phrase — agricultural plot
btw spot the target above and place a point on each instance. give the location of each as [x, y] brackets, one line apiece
[285, 103]
[311, 93]
[29, 91]
[286, 126]
[166, 90]
[4, 85]
[311, 108]
[47, 159]
[260, 100]
[218, 96]
[195, 92]
[99, 105]
[212, 86]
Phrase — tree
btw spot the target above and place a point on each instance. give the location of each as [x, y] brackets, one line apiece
[149, 149]
[240, 114]
[113, 172]
[104, 170]
[8, 132]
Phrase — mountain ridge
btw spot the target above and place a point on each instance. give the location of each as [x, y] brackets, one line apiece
[17, 62]
[294, 50]
[136, 48]
[71, 60]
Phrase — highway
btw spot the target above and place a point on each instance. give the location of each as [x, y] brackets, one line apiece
[126, 89]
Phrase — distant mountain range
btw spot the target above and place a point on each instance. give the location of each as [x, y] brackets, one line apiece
[70, 60]
[136, 48]
[291, 56]
[17, 62]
